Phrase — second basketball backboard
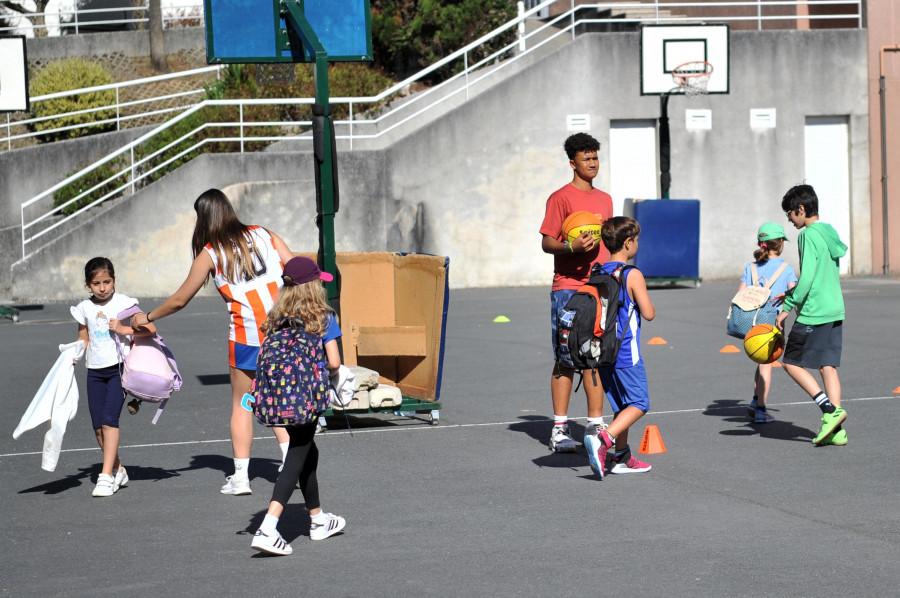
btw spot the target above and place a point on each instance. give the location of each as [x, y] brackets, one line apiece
[665, 47]
[13, 74]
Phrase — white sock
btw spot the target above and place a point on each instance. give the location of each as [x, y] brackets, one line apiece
[597, 421]
[560, 420]
[241, 468]
[318, 518]
[270, 522]
[284, 447]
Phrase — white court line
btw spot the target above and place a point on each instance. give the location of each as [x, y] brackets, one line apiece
[410, 428]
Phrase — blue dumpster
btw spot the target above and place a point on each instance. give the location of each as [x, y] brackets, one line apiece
[670, 238]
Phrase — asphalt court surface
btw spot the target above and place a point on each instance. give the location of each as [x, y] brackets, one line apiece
[477, 505]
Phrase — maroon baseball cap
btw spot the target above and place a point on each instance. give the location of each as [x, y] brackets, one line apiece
[299, 270]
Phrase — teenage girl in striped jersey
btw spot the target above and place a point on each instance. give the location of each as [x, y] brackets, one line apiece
[245, 263]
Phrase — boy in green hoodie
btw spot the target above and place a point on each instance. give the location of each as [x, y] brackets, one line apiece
[815, 339]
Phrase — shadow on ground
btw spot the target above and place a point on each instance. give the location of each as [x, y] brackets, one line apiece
[734, 411]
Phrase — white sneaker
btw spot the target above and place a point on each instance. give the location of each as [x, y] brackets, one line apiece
[104, 487]
[236, 486]
[561, 440]
[273, 544]
[594, 429]
[120, 480]
[332, 525]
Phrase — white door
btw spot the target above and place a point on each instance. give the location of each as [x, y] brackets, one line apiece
[827, 141]
[633, 160]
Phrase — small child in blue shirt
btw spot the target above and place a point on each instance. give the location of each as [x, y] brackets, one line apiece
[625, 383]
[770, 239]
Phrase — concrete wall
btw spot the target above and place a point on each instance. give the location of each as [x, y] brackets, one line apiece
[883, 26]
[128, 43]
[473, 185]
[28, 172]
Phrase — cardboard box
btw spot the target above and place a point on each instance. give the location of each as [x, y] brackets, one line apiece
[393, 316]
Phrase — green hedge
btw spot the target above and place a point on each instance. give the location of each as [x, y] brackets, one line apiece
[65, 75]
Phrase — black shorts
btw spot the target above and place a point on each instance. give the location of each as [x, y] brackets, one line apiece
[815, 346]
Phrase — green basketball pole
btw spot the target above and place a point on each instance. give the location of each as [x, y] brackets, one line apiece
[323, 142]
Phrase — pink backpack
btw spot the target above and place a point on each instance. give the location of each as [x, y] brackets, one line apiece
[149, 372]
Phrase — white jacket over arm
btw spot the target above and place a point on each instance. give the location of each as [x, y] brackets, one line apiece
[56, 401]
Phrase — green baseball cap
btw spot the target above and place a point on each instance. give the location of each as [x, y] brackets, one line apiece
[771, 230]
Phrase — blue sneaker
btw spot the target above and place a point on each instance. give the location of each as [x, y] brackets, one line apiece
[752, 408]
[763, 417]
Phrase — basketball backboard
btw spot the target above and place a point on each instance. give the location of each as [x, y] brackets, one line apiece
[665, 47]
[13, 74]
[255, 31]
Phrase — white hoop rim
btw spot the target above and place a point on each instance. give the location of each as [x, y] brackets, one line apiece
[693, 76]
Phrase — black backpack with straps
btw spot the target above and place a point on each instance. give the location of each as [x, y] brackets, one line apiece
[587, 324]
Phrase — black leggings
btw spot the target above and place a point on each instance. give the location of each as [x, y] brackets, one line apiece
[300, 464]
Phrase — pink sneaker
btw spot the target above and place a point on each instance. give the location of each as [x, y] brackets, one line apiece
[632, 465]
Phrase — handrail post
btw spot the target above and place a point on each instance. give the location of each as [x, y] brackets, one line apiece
[22, 211]
[132, 170]
[241, 119]
[572, 17]
[351, 125]
[466, 71]
[520, 10]
[758, 15]
[8, 133]
[118, 111]
[76, 23]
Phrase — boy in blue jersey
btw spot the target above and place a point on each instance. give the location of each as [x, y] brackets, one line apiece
[625, 383]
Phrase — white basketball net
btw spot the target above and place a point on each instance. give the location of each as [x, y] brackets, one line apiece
[693, 77]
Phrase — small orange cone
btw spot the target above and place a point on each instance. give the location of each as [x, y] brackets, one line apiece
[652, 443]
[897, 390]
[729, 349]
[657, 341]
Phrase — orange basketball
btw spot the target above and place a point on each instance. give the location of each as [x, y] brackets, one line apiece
[763, 343]
[578, 222]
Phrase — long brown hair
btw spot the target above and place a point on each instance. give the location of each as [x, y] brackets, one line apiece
[761, 255]
[306, 301]
[218, 225]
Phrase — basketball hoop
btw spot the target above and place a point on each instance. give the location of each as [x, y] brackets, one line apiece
[277, 72]
[693, 77]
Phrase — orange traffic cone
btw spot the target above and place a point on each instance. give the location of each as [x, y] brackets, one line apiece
[652, 442]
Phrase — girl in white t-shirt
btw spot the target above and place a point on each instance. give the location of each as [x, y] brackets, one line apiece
[97, 324]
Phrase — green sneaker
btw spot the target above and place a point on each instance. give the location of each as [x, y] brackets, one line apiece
[830, 421]
[838, 438]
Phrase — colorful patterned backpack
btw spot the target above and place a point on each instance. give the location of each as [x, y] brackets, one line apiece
[291, 385]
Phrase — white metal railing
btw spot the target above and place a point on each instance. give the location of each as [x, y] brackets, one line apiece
[133, 168]
[71, 19]
[125, 111]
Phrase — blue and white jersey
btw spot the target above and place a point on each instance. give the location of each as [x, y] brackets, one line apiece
[630, 349]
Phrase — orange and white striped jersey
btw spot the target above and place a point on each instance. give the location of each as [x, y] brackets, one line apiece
[248, 301]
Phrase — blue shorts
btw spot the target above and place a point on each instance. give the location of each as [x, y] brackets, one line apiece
[558, 300]
[242, 357]
[626, 387]
[105, 396]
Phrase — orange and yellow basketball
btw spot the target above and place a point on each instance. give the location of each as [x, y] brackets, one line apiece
[578, 222]
[763, 343]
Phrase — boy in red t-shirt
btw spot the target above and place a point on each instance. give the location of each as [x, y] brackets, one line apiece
[572, 262]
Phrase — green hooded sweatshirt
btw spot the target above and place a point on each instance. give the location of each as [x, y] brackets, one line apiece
[818, 296]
